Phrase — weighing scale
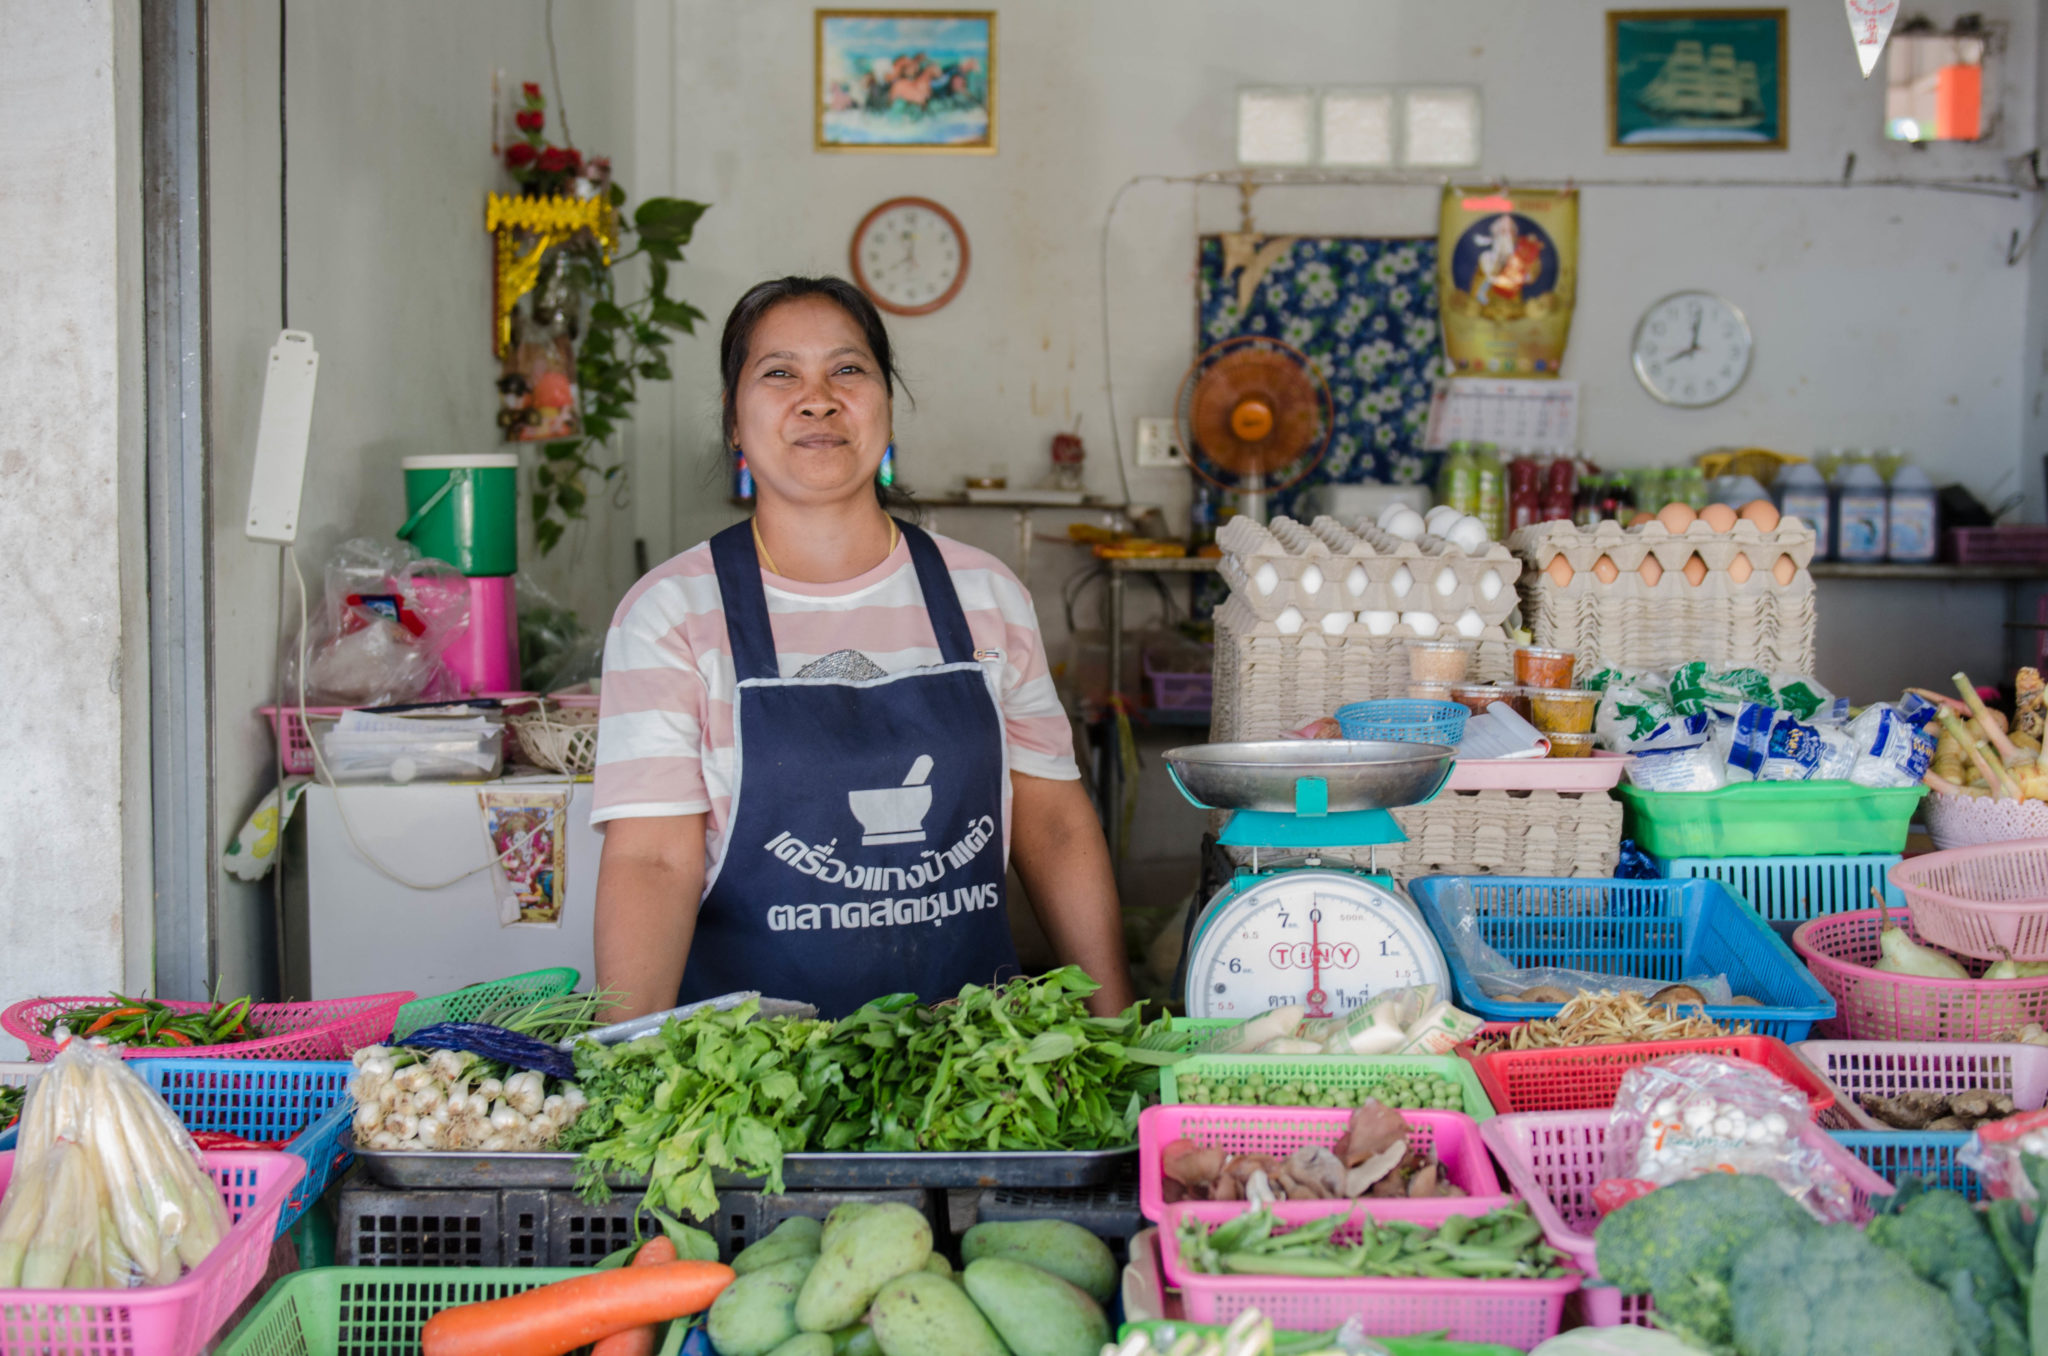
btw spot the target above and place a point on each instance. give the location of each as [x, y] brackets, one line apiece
[1323, 937]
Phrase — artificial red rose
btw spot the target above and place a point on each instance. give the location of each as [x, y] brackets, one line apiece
[554, 160]
[530, 119]
[519, 155]
[531, 89]
[575, 157]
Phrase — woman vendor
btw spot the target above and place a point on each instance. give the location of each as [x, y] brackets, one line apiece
[824, 732]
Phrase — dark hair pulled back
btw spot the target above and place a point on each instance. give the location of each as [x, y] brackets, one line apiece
[763, 297]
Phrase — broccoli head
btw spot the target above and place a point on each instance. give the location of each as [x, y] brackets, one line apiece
[1946, 1242]
[1833, 1292]
[1680, 1243]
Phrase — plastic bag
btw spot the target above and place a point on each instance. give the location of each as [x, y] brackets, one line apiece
[1678, 1118]
[556, 650]
[380, 630]
[108, 1190]
[1995, 1150]
[1498, 979]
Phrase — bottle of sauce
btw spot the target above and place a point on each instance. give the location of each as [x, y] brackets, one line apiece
[1201, 516]
[1525, 493]
[1493, 499]
[1560, 490]
[1457, 483]
[1910, 524]
[1863, 511]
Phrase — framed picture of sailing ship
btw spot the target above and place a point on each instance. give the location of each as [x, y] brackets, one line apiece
[1696, 80]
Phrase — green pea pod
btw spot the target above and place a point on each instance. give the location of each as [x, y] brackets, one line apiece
[1455, 1228]
[1255, 1264]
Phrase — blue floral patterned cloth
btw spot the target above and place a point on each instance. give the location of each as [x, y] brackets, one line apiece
[1365, 313]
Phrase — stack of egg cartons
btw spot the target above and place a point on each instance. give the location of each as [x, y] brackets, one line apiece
[1646, 598]
[1320, 616]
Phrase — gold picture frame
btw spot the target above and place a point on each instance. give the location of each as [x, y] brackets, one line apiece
[947, 105]
[1697, 80]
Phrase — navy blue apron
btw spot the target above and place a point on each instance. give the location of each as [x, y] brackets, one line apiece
[865, 849]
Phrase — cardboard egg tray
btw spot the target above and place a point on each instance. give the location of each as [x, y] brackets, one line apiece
[1632, 623]
[1328, 567]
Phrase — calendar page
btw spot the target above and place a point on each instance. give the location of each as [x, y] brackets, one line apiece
[1515, 416]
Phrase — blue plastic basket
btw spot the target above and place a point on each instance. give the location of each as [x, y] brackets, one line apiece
[1794, 889]
[1662, 930]
[1403, 721]
[1928, 1154]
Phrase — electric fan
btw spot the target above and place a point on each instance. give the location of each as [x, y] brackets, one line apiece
[1255, 417]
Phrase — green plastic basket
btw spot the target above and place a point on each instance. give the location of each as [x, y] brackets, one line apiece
[370, 1311]
[1771, 819]
[1330, 1071]
[466, 1005]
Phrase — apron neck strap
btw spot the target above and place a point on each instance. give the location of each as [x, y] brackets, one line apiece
[746, 602]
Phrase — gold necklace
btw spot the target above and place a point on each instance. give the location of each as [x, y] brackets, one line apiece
[769, 560]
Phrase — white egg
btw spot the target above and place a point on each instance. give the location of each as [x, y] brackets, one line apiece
[1490, 585]
[1468, 535]
[1440, 518]
[1391, 512]
[1407, 525]
[1402, 582]
[1421, 623]
[1470, 624]
[1379, 623]
[1446, 582]
[1289, 621]
[1336, 623]
[1265, 579]
[1312, 579]
[1355, 583]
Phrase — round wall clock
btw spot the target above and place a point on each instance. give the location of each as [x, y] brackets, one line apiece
[1692, 349]
[910, 256]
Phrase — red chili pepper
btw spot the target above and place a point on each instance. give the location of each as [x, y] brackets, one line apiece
[175, 1037]
[107, 1019]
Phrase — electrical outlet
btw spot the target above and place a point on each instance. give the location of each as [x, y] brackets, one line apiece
[1159, 444]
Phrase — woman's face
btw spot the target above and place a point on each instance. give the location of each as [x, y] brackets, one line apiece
[811, 412]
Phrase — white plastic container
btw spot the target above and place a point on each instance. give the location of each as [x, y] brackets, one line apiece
[1803, 494]
[1862, 514]
[1912, 517]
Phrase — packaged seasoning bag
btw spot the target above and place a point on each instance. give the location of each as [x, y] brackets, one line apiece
[1731, 688]
[1689, 695]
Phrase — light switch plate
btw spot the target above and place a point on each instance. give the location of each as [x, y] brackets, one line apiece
[1159, 444]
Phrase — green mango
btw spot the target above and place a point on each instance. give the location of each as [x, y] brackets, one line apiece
[805, 1344]
[938, 1265]
[926, 1315]
[797, 1236]
[861, 1255]
[757, 1313]
[858, 1340]
[840, 1216]
[1066, 1250]
[1035, 1312]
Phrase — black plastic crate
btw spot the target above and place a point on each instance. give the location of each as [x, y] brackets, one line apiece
[1109, 1212]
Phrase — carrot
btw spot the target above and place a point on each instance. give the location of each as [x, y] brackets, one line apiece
[552, 1319]
[639, 1341]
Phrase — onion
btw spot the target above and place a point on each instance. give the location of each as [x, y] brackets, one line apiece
[384, 1139]
[433, 1132]
[429, 1099]
[378, 1065]
[448, 1064]
[523, 1093]
[505, 1120]
[362, 1057]
[498, 1144]
[369, 1119]
[403, 1124]
[490, 1089]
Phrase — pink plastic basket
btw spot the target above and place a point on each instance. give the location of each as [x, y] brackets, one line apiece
[1601, 772]
[1987, 901]
[1857, 1069]
[178, 1319]
[1280, 1130]
[1174, 691]
[1514, 1313]
[1873, 1005]
[2001, 545]
[1552, 1161]
[329, 1028]
[292, 735]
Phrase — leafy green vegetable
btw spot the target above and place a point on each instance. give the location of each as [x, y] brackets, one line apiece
[1022, 1066]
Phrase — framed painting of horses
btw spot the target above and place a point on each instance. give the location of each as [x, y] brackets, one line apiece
[906, 80]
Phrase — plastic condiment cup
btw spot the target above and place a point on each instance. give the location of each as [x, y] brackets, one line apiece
[1430, 692]
[1476, 697]
[1440, 661]
[1545, 668]
[1562, 710]
[1570, 745]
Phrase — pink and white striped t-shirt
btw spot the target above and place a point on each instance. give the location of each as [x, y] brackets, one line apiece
[665, 728]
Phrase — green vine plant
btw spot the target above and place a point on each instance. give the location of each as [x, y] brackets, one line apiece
[624, 343]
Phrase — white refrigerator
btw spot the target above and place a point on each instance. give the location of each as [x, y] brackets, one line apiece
[369, 927]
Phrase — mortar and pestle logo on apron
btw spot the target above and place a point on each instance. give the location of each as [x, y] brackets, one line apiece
[895, 814]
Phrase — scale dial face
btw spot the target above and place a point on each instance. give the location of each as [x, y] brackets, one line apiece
[1327, 940]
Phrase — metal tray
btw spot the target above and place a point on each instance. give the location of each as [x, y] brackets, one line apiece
[1357, 774]
[800, 1172]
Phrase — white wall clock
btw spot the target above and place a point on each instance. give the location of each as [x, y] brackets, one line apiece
[1692, 349]
[910, 256]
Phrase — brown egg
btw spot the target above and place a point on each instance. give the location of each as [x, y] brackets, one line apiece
[1676, 517]
[1695, 570]
[1718, 517]
[1605, 570]
[1784, 570]
[1650, 570]
[1739, 569]
[1641, 518]
[1762, 512]
[1560, 571]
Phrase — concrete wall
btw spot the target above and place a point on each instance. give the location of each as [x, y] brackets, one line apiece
[1882, 317]
[389, 129]
[74, 809]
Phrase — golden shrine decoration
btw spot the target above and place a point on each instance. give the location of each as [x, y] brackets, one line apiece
[522, 231]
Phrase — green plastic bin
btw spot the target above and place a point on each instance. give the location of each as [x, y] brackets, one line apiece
[466, 1005]
[1771, 819]
[370, 1311]
[464, 509]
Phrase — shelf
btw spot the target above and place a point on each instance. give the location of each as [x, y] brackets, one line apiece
[1165, 564]
[1932, 573]
[951, 501]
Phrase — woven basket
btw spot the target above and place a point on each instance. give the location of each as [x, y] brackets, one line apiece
[559, 740]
